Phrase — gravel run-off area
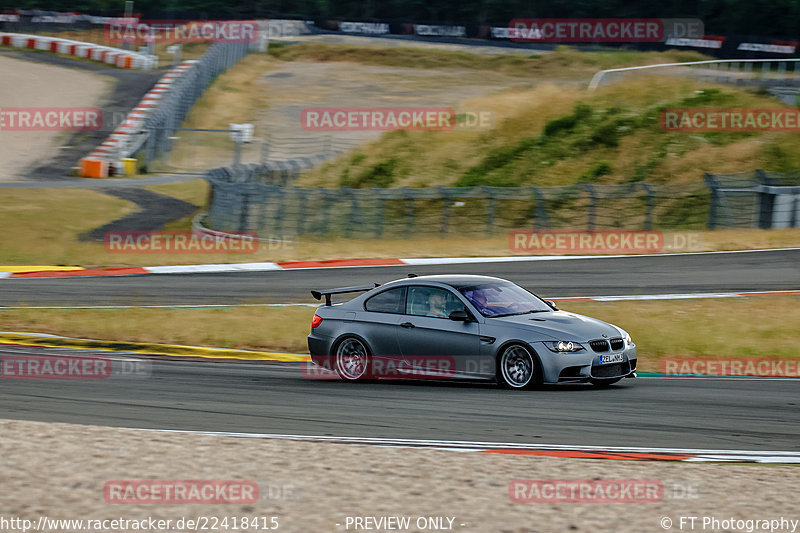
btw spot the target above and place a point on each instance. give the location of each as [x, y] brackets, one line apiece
[60, 470]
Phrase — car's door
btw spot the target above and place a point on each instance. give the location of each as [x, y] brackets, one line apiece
[429, 340]
[378, 323]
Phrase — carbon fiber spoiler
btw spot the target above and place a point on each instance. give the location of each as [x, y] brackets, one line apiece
[342, 290]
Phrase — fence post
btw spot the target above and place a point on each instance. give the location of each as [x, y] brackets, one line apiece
[301, 205]
[352, 220]
[541, 220]
[326, 210]
[766, 200]
[263, 210]
[490, 208]
[711, 183]
[445, 209]
[280, 213]
[592, 205]
[245, 210]
[381, 212]
[409, 197]
[648, 214]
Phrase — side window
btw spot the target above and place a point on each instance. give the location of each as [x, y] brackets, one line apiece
[432, 301]
[391, 301]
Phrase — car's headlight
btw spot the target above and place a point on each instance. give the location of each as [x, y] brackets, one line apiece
[628, 340]
[563, 346]
[626, 337]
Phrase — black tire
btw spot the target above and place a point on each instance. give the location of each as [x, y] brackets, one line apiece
[601, 383]
[351, 359]
[517, 368]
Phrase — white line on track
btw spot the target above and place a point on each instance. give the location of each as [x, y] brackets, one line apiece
[676, 296]
[518, 258]
[699, 455]
[424, 261]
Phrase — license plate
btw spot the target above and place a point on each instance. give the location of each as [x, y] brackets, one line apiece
[613, 358]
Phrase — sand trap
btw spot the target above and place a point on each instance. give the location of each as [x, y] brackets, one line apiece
[28, 84]
[60, 470]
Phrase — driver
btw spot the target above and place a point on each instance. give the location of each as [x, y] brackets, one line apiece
[479, 301]
[436, 305]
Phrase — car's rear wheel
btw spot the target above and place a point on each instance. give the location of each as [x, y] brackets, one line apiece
[352, 359]
[604, 382]
[516, 367]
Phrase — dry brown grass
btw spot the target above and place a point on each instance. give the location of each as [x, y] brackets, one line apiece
[723, 327]
[195, 191]
[255, 328]
[236, 96]
[42, 228]
[562, 63]
[443, 157]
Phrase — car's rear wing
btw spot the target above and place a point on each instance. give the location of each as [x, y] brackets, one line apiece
[342, 290]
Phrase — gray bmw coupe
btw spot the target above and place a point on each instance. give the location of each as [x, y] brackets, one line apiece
[464, 327]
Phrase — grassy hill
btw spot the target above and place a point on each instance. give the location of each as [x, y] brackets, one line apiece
[551, 135]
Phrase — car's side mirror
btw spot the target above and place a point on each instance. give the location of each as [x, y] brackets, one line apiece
[460, 316]
[552, 304]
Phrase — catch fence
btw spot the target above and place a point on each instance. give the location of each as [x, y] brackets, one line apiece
[253, 198]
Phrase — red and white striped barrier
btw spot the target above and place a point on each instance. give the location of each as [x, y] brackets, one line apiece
[121, 143]
[104, 54]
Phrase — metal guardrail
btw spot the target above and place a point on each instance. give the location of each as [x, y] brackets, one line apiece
[754, 199]
[714, 69]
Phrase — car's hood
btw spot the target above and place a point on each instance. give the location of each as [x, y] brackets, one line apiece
[561, 325]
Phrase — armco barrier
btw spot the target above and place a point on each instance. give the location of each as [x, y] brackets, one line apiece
[125, 139]
[150, 126]
[103, 54]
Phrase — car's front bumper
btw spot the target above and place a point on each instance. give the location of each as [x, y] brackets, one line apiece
[583, 366]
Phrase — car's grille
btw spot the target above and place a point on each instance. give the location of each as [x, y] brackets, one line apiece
[599, 346]
[611, 371]
[617, 344]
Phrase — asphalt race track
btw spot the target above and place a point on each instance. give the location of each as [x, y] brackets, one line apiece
[752, 271]
[733, 414]
[276, 398]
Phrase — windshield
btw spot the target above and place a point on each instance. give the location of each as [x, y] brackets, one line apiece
[503, 299]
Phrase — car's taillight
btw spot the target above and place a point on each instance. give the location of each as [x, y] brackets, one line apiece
[316, 321]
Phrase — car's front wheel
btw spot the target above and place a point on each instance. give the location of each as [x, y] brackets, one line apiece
[352, 359]
[516, 367]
